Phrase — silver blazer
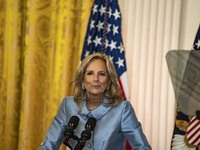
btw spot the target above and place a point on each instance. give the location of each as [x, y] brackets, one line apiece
[114, 126]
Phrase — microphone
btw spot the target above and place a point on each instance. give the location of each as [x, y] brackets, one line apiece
[69, 133]
[86, 134]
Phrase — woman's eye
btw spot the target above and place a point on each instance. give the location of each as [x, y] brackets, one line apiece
[99, 74]
[89, 73]
[103, 74]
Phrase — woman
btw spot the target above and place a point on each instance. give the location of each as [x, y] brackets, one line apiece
[97, 94]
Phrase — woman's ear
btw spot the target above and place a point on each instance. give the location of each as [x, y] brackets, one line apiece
[108, 86]
[109, 82]
[83, 86]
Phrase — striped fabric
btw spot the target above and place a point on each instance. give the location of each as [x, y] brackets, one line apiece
[193, 132]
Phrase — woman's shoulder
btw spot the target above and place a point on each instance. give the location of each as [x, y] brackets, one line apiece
[124, 102]
[68, 99]
[68, 102]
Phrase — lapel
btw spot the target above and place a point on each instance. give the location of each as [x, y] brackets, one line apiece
[97, 113]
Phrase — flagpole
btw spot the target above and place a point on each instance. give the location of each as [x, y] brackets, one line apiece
[105, 25]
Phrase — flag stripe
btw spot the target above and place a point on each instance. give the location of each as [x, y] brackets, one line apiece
[193, 126]
[193, 134]
[193, 131]
[194, 140]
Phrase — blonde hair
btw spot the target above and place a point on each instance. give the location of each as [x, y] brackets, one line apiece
[113, 91]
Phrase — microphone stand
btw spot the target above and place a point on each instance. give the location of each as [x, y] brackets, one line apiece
[86, 135]
[67, 143]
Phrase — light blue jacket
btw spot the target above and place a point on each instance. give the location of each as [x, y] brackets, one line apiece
[114, 125]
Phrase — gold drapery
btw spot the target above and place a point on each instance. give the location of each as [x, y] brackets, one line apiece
[40, 46]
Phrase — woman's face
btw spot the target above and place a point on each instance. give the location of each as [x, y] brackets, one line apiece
[96, 77]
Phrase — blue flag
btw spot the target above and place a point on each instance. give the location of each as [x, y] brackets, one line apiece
[196, 45]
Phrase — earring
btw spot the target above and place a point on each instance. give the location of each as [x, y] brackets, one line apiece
[83, 87]
[108, 87]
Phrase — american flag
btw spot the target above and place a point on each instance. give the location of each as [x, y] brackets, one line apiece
[104, 35]
[193, 131]
[186, 133]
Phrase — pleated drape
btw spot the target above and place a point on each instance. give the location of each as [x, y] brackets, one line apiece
[150, 30]
[40, 47]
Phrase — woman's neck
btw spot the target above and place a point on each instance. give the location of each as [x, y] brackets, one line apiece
[93, 101]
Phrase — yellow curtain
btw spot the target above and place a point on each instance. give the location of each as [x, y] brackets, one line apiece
[40, 47]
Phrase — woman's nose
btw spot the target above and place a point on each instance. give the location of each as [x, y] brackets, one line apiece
[96, 77]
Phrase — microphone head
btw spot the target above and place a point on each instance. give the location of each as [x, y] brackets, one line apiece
[73, 122]
[69, 133]
[91, 123]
